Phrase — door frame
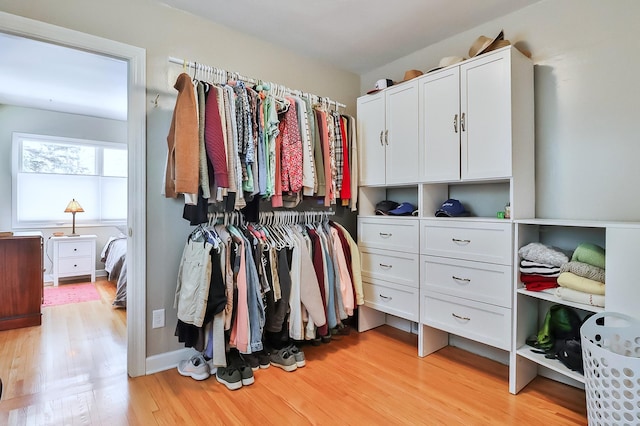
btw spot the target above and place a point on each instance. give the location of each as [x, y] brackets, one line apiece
[136, 182]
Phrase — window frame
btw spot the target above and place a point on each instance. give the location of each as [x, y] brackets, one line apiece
[16, 167]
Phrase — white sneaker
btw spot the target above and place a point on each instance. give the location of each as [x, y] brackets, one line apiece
[196, 367]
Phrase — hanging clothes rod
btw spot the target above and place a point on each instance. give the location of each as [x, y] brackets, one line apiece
[236, 76]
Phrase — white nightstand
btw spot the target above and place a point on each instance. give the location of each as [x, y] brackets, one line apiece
[74, 256]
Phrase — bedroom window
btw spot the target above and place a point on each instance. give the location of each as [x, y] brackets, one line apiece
[49, 171]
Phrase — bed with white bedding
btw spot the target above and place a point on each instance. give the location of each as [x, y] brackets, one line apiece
[114, 257]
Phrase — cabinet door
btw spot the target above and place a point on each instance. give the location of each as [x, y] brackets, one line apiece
[371, 127]
[440, 126]
[486, 107]
[402, 138]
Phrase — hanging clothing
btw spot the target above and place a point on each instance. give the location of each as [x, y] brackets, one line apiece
[182, 175]
[214, 139]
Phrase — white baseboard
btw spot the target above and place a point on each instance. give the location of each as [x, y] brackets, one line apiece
[167, 360]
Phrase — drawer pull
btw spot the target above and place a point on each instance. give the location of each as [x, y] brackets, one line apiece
[461, 318]
[385, 297]
[385, 266]
[385, 234]
[456, 240]
[466, 280]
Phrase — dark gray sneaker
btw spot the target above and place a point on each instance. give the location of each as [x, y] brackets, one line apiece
[298, 355]
[283, 359]
[230, 377]
[252, 360]
[264, 359]
[246, 375]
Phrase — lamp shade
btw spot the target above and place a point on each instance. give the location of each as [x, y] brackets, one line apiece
[73, 207]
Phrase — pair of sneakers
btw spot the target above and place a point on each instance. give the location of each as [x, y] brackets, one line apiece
[235, 376]
[256, 360]
[195, 367]
[289, 358]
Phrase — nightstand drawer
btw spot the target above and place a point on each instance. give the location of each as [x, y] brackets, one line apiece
[400, 301]
[76, 248]
[397, 267]
[477, 321]
[76, 265]
[483, 282]
[478, 241]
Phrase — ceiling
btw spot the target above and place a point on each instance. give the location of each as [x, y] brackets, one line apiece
[42, 75]
[355, 35]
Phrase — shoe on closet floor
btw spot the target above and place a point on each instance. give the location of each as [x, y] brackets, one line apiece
[298, 355]
[246, 375]
[195, 367]
[282, 358]
[230, 377]
[264, 359]
[252, 360]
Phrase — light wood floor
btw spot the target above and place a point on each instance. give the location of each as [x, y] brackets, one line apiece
[72, 371]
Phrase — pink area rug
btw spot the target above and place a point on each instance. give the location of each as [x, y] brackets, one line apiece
[69, 293]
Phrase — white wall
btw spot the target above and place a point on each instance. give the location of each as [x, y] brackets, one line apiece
[165, 32]
[586, 94]
[41, 122]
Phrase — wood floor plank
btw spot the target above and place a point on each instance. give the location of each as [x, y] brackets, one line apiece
[72, 370]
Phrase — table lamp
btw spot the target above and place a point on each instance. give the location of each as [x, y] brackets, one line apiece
[73, 207]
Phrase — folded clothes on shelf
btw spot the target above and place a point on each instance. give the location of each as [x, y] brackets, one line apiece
[571, 295]
[574, 282]
[585, 270]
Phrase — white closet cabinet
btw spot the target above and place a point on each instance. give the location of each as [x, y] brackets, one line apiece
[476, 118]
[388, 136]
[465, 282]
[622, 244]
[439, 111]
[390, 267]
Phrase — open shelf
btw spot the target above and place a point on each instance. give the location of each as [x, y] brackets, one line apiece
[552, 298]
[553, 364]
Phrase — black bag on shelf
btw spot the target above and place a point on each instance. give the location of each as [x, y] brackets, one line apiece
[570, 354]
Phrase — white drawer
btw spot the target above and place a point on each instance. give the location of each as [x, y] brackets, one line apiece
[397, 267]
[75, 248]
[75, 266]
[483, 282]
[480, 241]
[389, 233]
[400, 301]
[477, 321]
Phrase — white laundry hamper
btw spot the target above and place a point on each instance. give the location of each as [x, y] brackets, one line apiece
[611, 360]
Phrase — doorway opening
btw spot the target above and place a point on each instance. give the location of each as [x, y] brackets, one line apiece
[135, 138]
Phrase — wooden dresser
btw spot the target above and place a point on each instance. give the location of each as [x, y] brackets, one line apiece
[21, 280]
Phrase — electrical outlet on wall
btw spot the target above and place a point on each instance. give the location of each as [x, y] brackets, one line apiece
[158, 318]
